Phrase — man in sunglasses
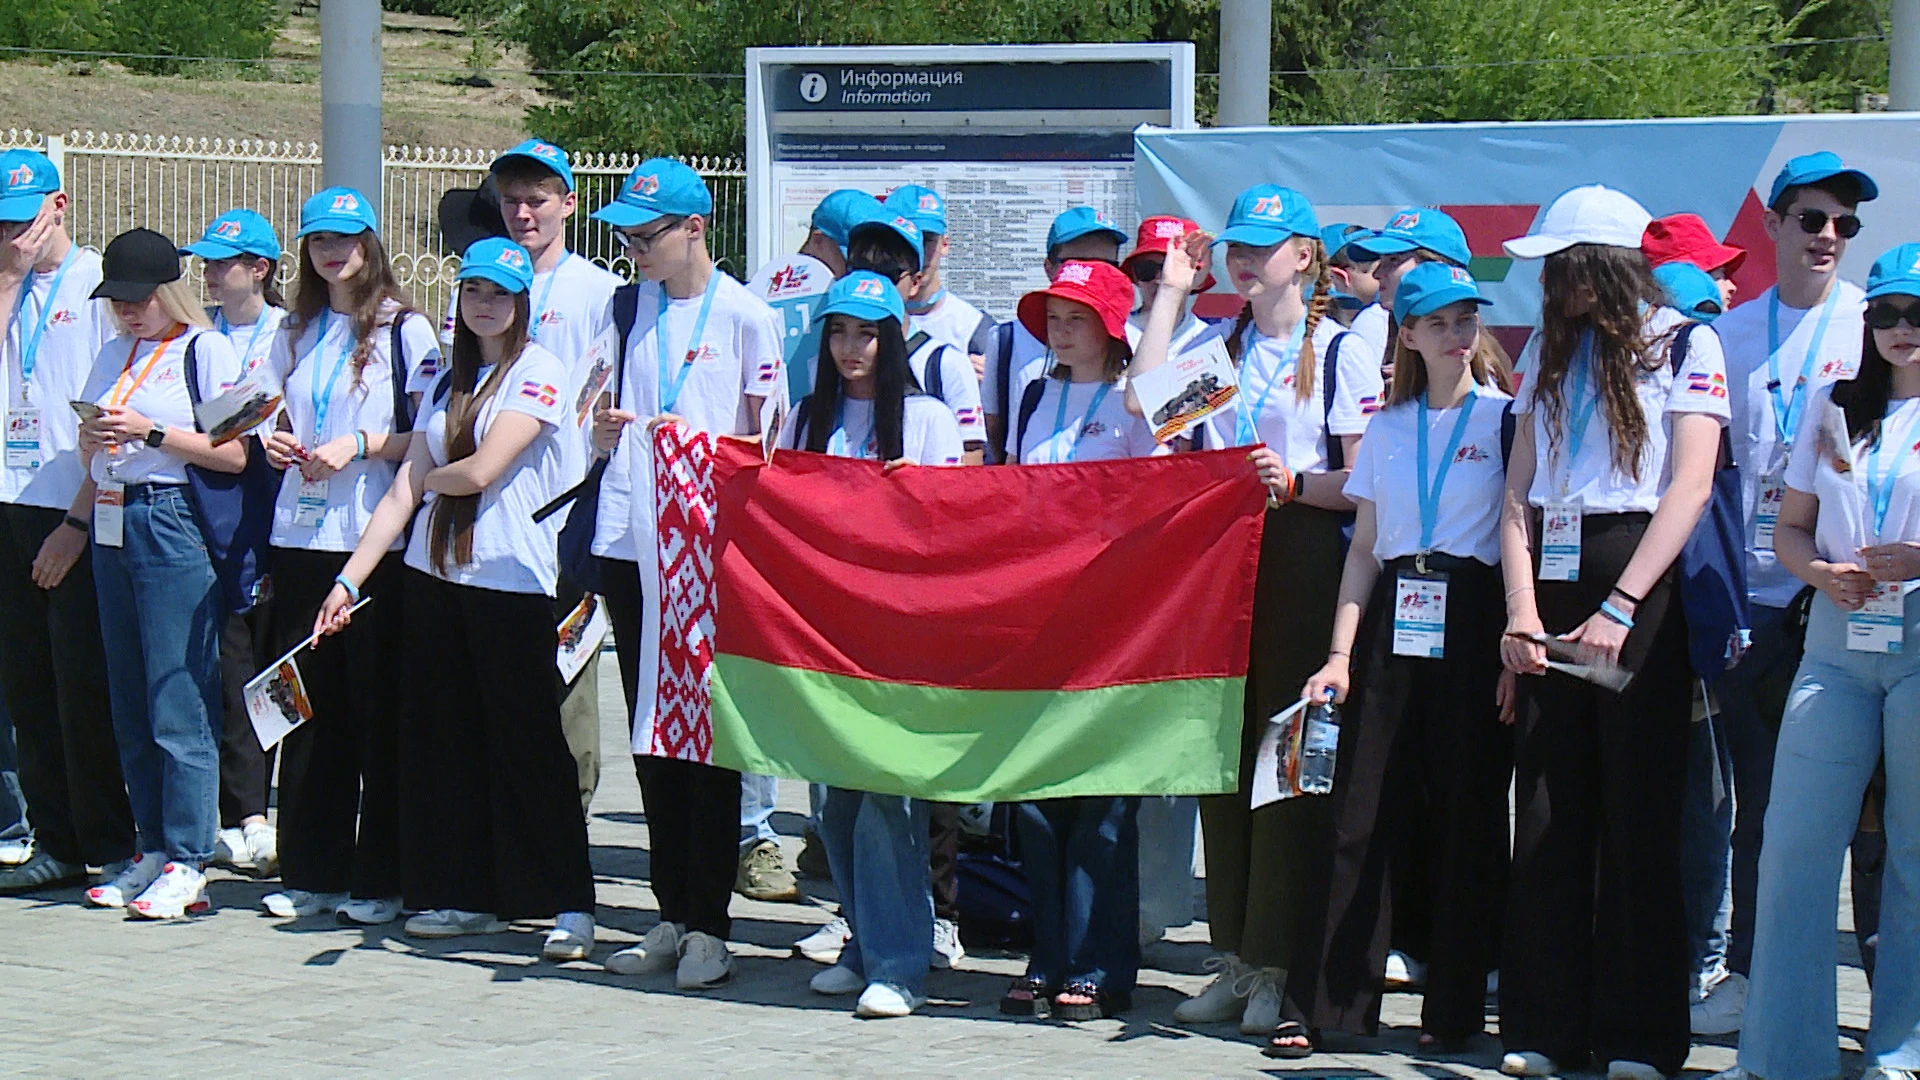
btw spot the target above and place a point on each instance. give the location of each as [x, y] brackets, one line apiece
[1781, 347]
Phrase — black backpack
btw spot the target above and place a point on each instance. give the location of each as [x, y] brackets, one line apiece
[935, 382]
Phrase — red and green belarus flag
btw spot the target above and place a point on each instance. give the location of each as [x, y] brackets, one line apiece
[970, 634]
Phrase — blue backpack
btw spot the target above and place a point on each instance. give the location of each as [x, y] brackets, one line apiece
[235, 512]
[1713, 565]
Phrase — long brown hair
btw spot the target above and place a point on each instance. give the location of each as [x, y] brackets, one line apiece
[1489, 363]
[450, 526]
[1316, 310]
[370, 289]
[1624, 291]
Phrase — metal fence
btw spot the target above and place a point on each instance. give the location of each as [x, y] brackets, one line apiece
[176, 185]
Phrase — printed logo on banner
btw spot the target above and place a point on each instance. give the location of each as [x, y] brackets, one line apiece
[786, 279]
[227, 229]
[1076, 273]
[870, 289]
[539, 391]
[346, 202]
[645, 185]
[20, 175]
[813, 87]
[1405, 220]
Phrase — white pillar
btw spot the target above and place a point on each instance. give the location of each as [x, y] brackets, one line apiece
[1903, 57]
[1246, 61]
[350, 95]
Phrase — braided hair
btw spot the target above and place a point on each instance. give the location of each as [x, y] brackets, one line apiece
[1320, 299]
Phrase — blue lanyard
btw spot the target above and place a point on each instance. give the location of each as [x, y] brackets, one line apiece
[670, 392]
[30, 345]
[1430, 494]
[259, 324]
[1882, 481]
[837, 442]
[1786, 408]
[539, 309]
[1247, 433]
[1060, 420]
[1580, 412]
[323, 398]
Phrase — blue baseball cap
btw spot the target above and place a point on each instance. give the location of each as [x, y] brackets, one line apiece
[1340, 235]
[27, 177]
[1897, 273]
[1419, 227]
[923, 204]
[1431, 286]
[546, 154]
[840, 211]
[500, 261]
[864, 294]
[337, 210]
[1690, 289]
[1813, 168]
[657, 188]
[899, 224]
[1267, 215]
[1078, 221]
[236, 233]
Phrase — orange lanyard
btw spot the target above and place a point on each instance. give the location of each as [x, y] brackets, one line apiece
[153, 361]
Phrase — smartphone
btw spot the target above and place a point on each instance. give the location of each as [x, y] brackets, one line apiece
[88, 410]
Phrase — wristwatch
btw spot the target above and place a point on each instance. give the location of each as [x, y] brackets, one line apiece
[157, 435]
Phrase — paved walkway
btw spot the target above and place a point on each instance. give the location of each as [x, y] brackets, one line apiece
[86, 993]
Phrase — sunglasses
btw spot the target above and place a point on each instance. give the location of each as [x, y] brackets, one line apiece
[1146, 271]
[641, 243]
[1888, 316]
[1812, 221]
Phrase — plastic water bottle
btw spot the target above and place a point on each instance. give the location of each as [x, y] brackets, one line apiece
[1319, 748]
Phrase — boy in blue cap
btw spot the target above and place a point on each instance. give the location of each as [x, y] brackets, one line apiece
[1356, 290]
[705, 353]
[52, 664]
[1781, 348]
[795, 286]
[939, 313]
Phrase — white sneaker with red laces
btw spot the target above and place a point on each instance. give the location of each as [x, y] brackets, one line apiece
[179, 890]
[126, 880]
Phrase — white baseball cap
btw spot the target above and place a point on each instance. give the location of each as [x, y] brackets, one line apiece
[1594, 214]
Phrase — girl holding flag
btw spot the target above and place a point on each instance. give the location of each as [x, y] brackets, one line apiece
[491, 825]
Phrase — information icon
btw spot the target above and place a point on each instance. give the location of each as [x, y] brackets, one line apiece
[813, 87]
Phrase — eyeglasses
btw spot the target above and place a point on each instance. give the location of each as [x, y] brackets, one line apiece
[641, 243]
[1146, 271]
[1888, 316]
[1812, 221]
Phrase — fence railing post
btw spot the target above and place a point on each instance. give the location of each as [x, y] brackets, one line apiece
[57, 153]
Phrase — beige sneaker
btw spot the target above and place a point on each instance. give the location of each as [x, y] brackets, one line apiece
[763, 875]
[1225, 998]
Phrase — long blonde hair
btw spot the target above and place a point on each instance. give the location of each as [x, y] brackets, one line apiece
[177, 302]
[1317, 305]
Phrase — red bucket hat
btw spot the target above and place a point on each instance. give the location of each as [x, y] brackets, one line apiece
[1157, 234]
[1686, 238]
[1100, 286]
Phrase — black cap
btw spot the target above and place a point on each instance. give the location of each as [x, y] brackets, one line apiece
[137, 262]
[468, 215]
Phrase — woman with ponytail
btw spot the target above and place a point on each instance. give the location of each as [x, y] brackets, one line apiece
[490, 822]
[1302, 433]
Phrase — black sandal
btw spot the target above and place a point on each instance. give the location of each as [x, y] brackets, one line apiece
[1290, 1029]
[1103, 1005]
[1028, 995]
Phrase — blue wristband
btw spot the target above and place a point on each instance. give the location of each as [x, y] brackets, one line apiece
[1614, 613]
[354, 594]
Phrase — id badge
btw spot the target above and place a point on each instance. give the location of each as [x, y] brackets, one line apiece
[23, 439]
[1773, 492]
[1420, 616]
[109, 514]
[1880, 626]
[311, 506]
[1560, 541]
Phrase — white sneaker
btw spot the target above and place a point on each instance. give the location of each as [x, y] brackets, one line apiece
[1262, 1014]
[885, 1001]
[836, 981]
[126, 879]
[1527, 1063]
[704, 962]
[1633, 1070]
[301, 904]
[1223, 999]
[1720, 1012]
[823, 945]
[229, 847]
[376, 912]
[451, 923]
[657, 952]
[179, 890]
[15, 852]
[1404, 972]
[947, 950]
[262, 847]
[570, 939]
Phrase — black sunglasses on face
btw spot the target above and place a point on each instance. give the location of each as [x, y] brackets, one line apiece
[1887, 316]
[1146, 271]
[1812, 221]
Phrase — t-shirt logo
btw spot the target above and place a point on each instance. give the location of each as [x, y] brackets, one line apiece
[1076, 273]
[229, 230]
[1272, 207]
[1094, 427]
[539, 391]
[1470, 454]
[511, 258]
[870, 289]
[705, 354]
[63, 317]
[548, 318]
[1405, 221]
[645, 185]
[1170, 229]
[346, 203]
[20, 176]
[929, 201]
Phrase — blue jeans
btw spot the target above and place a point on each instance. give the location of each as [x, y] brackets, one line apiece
[757, 796]
[1706, 845]
[1082, 857]
[1166, 826]
[877, 847]
[160, 616]
[1845, 711]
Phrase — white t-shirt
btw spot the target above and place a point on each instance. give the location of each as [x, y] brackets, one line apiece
[1757, 446]
[959, 389]
[252, 342]
[127, 372]
[365, 404]
[1067, 425]
[511, 552]
[739, 356]
[1371, 326]
[1030, 360]
[928, 433]
[1386, 473]
[76, 329]
[1297, 430]
[955, 322]
[1590, 476]
[1845, 521]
